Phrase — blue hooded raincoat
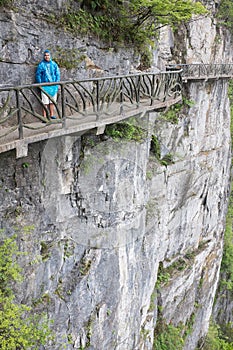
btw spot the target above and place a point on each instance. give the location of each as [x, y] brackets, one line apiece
[48, 72]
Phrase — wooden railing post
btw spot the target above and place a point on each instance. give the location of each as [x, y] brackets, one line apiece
[138, 91]
[152, 89]
[19, 115]
[97, 100]
[121, 97]
[63, 109]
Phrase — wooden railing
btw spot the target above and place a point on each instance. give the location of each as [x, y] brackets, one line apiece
[21, 106]
[93, 103]
[199, 71]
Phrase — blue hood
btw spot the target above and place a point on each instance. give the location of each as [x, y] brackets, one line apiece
[47, 51]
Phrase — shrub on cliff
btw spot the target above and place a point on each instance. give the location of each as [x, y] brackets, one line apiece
[215, 340]
[135, 22]
[19, 328]
[5, 3]
[225, 13]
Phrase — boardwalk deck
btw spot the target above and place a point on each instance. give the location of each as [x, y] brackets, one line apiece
[75, 124]
[94, 103]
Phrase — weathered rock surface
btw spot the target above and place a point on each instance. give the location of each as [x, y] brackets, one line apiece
[102, 219]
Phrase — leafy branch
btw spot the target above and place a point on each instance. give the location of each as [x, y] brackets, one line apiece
[19, 328]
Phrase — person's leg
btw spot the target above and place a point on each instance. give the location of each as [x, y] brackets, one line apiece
[45, 101]
[44, 111]
[51, 109]
[48, 106]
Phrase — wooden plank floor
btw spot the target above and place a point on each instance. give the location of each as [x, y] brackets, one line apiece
[74, 124]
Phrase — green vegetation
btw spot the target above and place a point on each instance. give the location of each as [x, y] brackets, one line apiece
[155, 147]
[5, 3]
[125, 130]
[227, 260]
[156, 150]
[220, 337]
[225, 14]
[45, 250]
[167, 337]
[230, 94]
[164, 274]
[119, 23]
[173, 113]
[68, 58]
[25, 165]
[215, 340]
[133, 22]
[19, 327]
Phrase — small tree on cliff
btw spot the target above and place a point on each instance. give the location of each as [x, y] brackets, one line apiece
[135, 21]
[154, 13]
[19, 329]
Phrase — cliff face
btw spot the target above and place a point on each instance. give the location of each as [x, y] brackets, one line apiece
[115, 240]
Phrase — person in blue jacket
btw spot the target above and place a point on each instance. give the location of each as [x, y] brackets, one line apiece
[48, 71]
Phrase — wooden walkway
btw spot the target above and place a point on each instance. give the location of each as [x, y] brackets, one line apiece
[77, 125]
[82, 106]
[93, 103]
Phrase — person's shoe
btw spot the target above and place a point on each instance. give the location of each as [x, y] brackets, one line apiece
[53, 117]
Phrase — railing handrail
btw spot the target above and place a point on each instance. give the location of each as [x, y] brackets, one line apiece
[13, 87]
[196, 64]
[167, 71]
[202, 71]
